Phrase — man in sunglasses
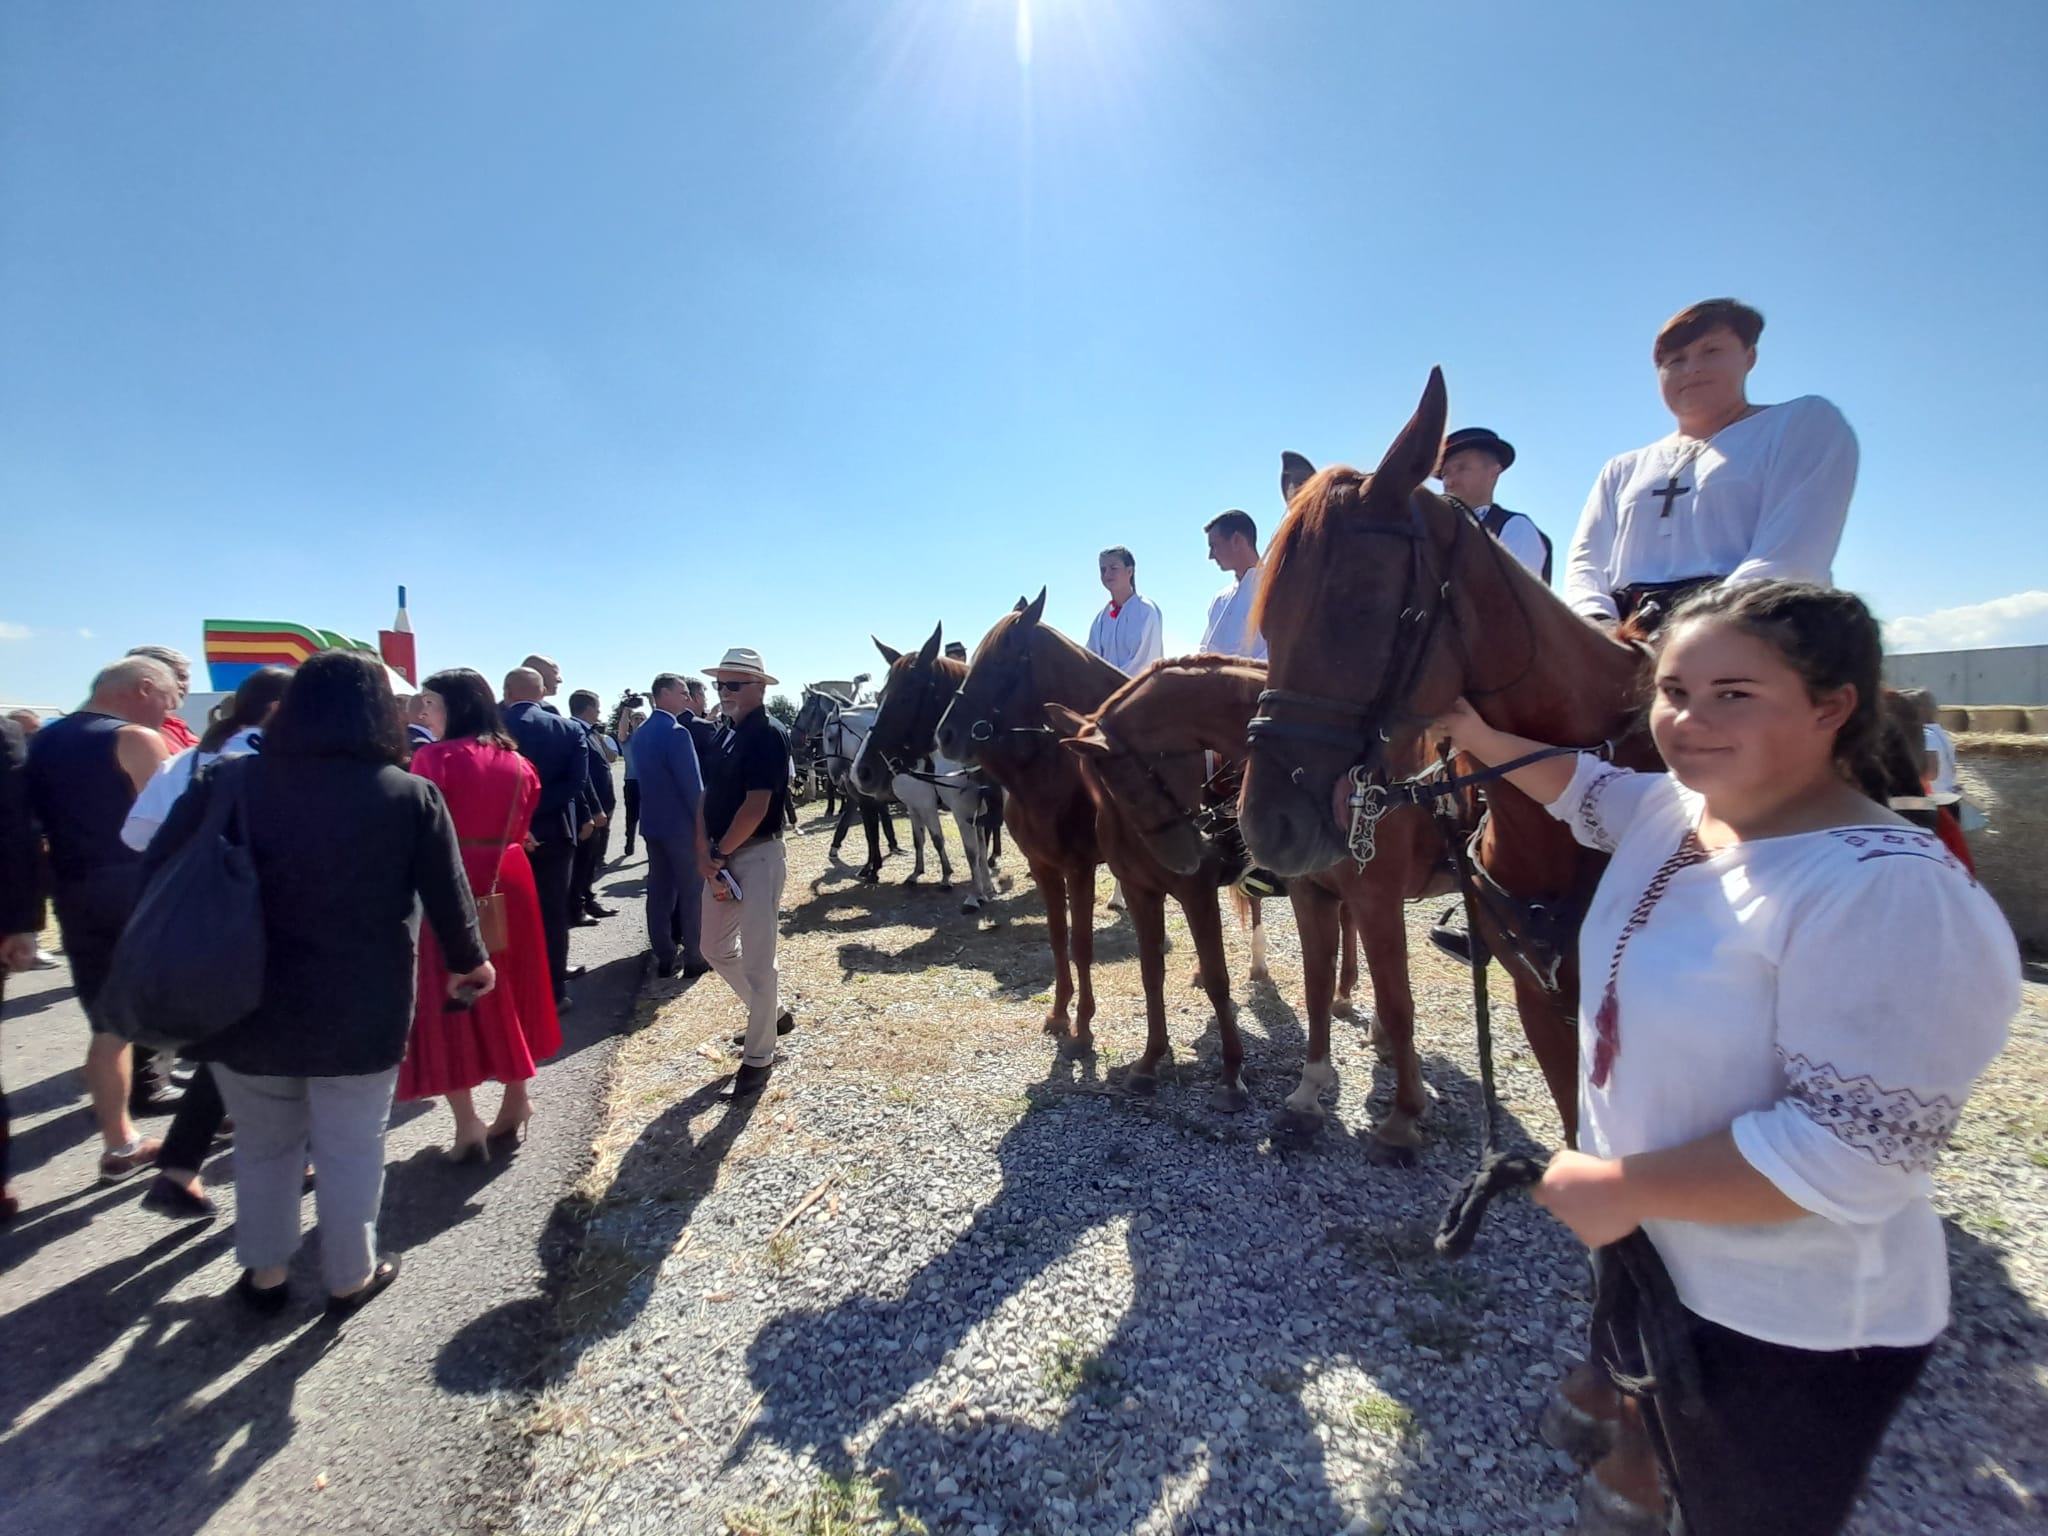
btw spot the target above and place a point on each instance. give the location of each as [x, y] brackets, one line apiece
[746, 796]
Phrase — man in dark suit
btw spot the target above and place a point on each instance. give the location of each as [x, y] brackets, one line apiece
[1473, 462]
[672, 822]
[584, 910]
[560, 754]
[21, 901]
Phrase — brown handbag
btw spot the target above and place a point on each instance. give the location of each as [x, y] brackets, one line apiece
[493, 917]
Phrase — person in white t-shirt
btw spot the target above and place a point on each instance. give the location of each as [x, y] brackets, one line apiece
[1789, 992]
[1739, 492]
[1234, 546]
[1127, 632]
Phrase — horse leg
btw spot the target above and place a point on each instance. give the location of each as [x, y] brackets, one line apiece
[1052, 890]
[1395, 1139]
[980, 888]
[1205, 924]
[1316, 921]
[1081, 931]
[1347, 977]
[1148, 920]
[869, 822]
[917, 846]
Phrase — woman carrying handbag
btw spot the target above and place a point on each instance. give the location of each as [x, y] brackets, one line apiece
[458, 1044]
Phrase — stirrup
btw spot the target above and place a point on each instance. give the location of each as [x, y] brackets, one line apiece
[1261, 884]
[1455, 942]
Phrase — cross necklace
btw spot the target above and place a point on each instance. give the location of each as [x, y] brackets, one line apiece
[1688, 455]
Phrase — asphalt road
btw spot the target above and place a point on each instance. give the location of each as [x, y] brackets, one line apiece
[135, 1395]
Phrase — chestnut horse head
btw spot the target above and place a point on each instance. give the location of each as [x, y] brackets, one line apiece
[1382, 603]
[1021, 665]
[915, 693]
[1148, 747]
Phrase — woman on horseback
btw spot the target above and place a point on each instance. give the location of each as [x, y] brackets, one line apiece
[1796, 991]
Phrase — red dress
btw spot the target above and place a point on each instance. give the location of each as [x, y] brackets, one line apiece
[514, 1025]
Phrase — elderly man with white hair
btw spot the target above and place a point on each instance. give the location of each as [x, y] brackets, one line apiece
[84, 772]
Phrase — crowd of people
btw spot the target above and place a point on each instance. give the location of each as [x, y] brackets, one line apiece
[420, 860]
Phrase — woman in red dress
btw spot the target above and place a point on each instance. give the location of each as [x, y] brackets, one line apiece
[490, 790]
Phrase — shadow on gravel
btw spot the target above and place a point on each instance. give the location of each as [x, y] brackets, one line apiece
[595, 1286]
[1207, 1415]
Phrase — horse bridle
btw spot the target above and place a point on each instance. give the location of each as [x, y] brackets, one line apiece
[928, 686]
[1364, 731]
[991, 722]
[1202, 818]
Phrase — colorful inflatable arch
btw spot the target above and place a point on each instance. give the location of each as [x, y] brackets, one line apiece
[237, 647]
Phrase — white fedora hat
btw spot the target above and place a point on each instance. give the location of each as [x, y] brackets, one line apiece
[742, 665]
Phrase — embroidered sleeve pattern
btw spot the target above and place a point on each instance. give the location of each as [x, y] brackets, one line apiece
[1893, 1127]
[1588, 812]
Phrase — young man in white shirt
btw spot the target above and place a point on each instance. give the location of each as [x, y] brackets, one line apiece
[1234, 546]
[1739, 492]
[1473, 462]
[1127, 633]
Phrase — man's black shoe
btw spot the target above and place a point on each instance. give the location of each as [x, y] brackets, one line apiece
[157, 1103]
[749, 1081]
[575, 972]
[594, 910]
[783, 1026]
[565, 1004]
[695, 969]
[585, 921]
[666, 968]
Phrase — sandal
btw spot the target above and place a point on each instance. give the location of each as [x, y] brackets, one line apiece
[339, 1307]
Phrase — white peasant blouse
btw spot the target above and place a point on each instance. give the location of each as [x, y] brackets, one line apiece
[1832, 996]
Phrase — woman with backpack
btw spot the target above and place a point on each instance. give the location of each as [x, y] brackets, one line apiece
[343, 842]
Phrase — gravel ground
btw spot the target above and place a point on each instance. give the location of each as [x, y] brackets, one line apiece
[941, 1278]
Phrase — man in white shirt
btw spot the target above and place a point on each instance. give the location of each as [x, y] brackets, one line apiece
[1739, 492]
[1474, 459]
[1126, 634]
[1234, 545]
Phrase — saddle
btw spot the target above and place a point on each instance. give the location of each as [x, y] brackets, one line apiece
[1649, 603]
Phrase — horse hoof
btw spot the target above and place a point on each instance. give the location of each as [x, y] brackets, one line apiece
[869, 876]
[1141, 1085]
[1230, 1099]
[1260, 973]
[1292, 1125]
[1055, 1024]
[911, 879]
[1389, 1154]
[970, 906]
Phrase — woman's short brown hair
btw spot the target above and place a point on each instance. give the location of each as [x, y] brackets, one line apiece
[1690, 324]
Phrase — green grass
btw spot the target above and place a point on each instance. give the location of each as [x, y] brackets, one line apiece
[782, 1251]
[1383, 1416]
[838, 1506]
[1069, 1368]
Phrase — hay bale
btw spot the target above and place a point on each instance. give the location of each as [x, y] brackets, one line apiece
[2000, 718]
[1953, 718]
[2006, 776]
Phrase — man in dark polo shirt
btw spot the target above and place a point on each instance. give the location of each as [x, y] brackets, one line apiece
[746, 792]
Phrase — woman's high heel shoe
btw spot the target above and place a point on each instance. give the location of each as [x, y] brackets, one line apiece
[512, 1135]
[470, 1152]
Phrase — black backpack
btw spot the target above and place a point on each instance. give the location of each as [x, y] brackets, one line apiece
[190, 961]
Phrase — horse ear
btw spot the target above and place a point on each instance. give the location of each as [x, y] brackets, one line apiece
[1036, 609]
[929, 654]
[1022, 604]
[1420, 447]
[889, 652]
[1295, 472]
[1077, 733]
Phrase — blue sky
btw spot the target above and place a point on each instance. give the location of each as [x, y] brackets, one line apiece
[636, 331]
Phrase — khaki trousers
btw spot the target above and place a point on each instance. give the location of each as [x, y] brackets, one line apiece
[740, 937]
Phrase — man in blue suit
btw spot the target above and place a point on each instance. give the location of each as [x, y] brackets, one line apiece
[559, 752]
[664, 759]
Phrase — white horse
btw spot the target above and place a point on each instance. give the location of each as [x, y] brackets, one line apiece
[846, 737]
[932, 785]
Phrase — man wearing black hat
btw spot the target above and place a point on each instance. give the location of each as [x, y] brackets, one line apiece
[1473, 460]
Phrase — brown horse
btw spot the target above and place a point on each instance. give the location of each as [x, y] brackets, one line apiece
[1381, 604]
[1023, 673]
[1146, 745]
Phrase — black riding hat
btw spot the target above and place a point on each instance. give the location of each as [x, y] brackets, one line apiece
[1479, 437]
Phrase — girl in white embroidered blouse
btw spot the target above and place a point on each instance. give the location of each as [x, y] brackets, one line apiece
[1789, 993]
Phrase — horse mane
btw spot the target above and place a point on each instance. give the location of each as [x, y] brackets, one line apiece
[1329, 494]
